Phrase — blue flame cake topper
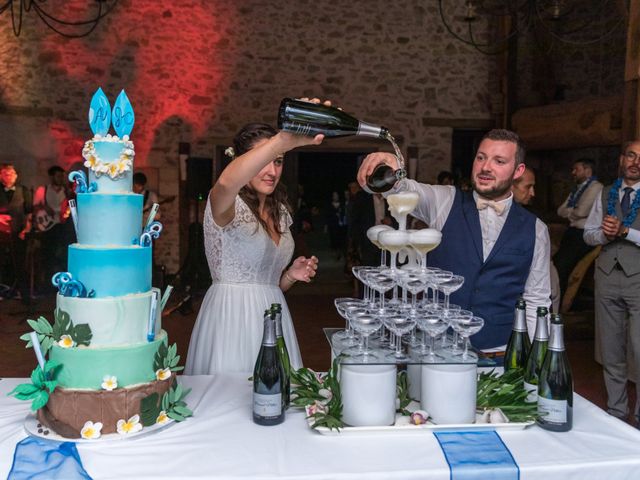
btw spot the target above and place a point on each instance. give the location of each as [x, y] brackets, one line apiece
[107, 154]
[100, 113]
[122, 116]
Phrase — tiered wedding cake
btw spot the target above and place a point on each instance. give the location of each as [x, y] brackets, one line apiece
[108, 359]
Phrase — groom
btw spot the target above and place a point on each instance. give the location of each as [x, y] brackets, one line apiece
[500, 249]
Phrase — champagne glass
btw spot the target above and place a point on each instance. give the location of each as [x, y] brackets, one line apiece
[465, 328]
[400, 205]
[365, 323]
[360, 273]
[423, 241]
[393, 241]
[436, 278]
[342, 304]
[452, 316]
[372, 235]
[433, 324]
[399, 324]
[448, 287]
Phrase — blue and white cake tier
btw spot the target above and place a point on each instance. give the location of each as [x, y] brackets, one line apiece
[111, 271]
[114, 321]
[109, 218]
[110, 164]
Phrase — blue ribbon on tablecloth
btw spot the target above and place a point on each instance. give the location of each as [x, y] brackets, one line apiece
[477, 455]
[41, 459]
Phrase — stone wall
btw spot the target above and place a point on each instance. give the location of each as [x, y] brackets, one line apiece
[196, 70]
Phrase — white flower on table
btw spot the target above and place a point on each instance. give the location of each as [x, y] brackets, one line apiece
[162, 418]
[419, 417]
[132, 425]
[326, 394]
[66, 341]
[109, 382]
[316, 407]
[91, 430]
[163, 373]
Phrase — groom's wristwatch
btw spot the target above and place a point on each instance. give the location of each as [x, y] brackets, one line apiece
[625, 232]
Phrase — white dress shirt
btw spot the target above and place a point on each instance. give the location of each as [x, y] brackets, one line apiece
[593, 234]
[434, 207]
[577, 215]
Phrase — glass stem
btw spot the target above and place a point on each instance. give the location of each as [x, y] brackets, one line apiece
[383, 259]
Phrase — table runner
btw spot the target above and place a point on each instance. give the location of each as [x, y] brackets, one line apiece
[477, 455]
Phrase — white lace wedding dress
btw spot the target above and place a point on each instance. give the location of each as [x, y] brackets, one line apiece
[246, 266]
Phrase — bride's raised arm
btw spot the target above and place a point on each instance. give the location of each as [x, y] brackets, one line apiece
[243, 168]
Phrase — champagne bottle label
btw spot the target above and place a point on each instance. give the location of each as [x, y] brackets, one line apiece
[268, 406]
[532, 390]
[552, 411]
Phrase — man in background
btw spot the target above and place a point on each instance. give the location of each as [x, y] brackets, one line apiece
[614, 223]
[15, 223]
[50, 215]
[523, 193]
[150, 197]
[576, 209]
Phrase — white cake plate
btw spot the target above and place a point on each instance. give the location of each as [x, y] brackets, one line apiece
[34, 428]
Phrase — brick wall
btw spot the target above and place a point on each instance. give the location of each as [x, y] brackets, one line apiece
[196, 70]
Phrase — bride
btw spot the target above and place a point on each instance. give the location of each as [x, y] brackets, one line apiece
[248, 246]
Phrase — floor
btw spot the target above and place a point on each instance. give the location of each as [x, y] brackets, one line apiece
[312, 310]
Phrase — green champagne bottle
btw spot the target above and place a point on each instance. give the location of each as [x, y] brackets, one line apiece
[307, 118]
[519, 344]
[268, 377]
[555, 384]
[283, 353]
[536, 355]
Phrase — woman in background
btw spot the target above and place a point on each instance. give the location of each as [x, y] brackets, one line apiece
[248, 246]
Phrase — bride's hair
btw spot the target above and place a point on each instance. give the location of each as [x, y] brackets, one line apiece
[244, 141]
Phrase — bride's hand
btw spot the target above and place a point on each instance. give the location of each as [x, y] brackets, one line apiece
[303, 269]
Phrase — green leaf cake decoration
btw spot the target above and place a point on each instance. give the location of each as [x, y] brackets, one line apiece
[42, 384]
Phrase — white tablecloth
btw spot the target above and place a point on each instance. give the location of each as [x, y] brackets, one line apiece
[221, 442]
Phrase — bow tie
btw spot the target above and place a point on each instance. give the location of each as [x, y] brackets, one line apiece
[482, 203]
[10, 189]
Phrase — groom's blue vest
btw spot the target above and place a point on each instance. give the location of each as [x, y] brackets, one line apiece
[492, 287]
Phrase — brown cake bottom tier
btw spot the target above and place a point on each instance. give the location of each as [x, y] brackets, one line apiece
[67, 411]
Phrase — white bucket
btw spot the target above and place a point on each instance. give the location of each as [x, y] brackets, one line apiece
[449, 393]
[368, 395]
[414, 374]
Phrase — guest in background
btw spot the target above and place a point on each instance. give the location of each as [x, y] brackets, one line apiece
[50, 215]
[150, 197]
[523, 193]
[576, 209]
[15, 222]
[336, 225]
[445, 178]
[500, 249]
[614, 223]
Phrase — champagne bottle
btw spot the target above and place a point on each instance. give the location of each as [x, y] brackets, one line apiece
[536, 355]
[383, 178]
[308, 118]
[268, 378]
[283, 354]
[555, 384]
[519, 345]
